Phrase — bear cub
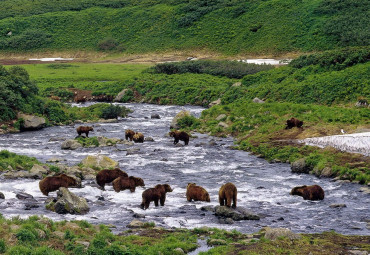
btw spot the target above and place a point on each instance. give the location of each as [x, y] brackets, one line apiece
[122, 183]
[196, 193]
[158, 193]
[226, 194]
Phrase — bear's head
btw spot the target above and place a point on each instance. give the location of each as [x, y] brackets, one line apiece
[167, 188]
[138, 181]
[172, 133]
[190, 184]
[207, 197]
[298, 190]
[90, 128]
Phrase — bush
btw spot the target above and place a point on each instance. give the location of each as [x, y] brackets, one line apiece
[2, 246]
[25, 235]
[113, 112]
[230, 69]
[188, 122]
[108, 44]
[29, 39]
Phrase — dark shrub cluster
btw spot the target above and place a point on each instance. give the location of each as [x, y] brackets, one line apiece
[230, 69]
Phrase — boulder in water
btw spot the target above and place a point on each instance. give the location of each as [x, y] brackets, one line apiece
[38, 170]
[300, 166]
[99, 161]
[31, 122]
[155, 116]
[67, 202]
[71, 145]
[23, 196]
[2, 195]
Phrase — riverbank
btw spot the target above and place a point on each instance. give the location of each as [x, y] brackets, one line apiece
[39, 235]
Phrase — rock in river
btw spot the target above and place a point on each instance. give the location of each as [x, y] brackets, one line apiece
[70, 145]
[67, 202]
[99, 161]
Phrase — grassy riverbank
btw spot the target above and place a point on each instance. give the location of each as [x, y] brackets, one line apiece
[36, 236]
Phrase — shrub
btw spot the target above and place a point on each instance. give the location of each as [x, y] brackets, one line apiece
[25, 235]
[29, 39]
[108, 44]
[2, 246]
[113, 112]
[189, 122]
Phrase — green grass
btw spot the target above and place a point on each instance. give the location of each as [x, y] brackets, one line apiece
[229, 27]
[16, 161]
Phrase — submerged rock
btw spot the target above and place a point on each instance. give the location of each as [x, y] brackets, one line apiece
[99, 161]
[155, 116]
[237, 214]
[23, 196]
[67, 202]
[2, 195]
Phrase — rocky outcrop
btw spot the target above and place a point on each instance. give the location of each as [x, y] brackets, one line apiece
[216, 102]
[38, 170]
[174, 123]
[99, 161]
[120, 95]
[31, 122]
[275, 233]
[300, 166]
[258, 101]
[227, 213]
[20, 174]
[67, 202]
[70, 145]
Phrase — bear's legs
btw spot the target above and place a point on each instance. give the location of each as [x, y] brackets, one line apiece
[156, 202]
[176, 141]
[132, 189]
[229, 198]
[234, 200]
[162, 199]
[188, 198]
[221, 200]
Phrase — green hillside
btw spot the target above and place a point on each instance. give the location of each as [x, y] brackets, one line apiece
[229, 27]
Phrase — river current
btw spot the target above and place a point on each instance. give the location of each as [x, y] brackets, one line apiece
[208, 161]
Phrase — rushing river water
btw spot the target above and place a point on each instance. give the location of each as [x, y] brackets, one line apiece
[262, 187]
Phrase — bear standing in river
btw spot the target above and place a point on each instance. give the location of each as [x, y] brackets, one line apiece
[138, 137]
[226, 194]
[53, 183]
[129, 134]
[293, 122]
[313, 192]
[196, 193]
[106, 176]
[158, 193]
[122, 183]
[179, 135]
[84, 129]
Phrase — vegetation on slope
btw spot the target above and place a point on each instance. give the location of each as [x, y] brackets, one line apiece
[235, 26]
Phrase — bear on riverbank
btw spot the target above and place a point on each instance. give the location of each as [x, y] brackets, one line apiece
[129, 134]
[226, 194]
[313, 192]
[138, 137]
[122, 183]
[84, 129]
[179, 135]
[293, 122]
[53, 183]
[196, 193]
[107, 176]
[158, 193]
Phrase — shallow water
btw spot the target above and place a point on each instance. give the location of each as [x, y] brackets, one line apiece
[262, 187]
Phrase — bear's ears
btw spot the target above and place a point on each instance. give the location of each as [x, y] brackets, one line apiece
[191, 183]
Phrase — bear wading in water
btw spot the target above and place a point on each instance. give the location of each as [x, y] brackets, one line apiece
[158, 193]
[313, 192]
[53, 183]
[138, 137]
[129, 134]
[84, 129]
[107, 176]
[179, 135]
[226, 194]
[122, 183]
[293, 122]
[196, 193]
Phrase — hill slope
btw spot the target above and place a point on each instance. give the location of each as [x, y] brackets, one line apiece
[234, 26]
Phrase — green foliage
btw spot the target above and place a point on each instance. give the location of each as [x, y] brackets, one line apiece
[2, 246]
[54, 169]
[113, 112]
[109, 44]
[188, 122]
[25, 235]
[88, 141]
[230, 69]
[230, 27]
[16, 161]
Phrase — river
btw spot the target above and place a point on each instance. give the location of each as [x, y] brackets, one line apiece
[208, 161]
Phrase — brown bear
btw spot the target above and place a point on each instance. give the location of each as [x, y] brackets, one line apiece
[122, 183]
[179, 135]
[197, 193]
[293, 122]
[313, 192]
[129, 134]
[84, 129]
[138, 137]
[227, 193]
[106, 176]
[53, 183]
[155, 194]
